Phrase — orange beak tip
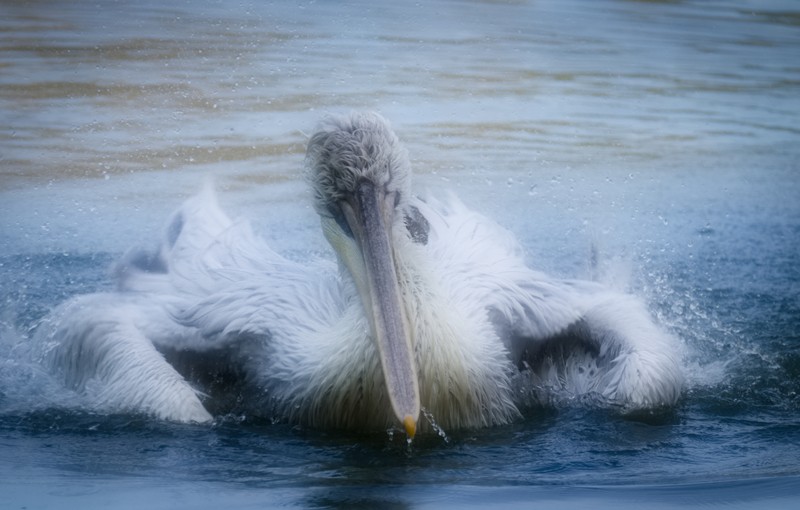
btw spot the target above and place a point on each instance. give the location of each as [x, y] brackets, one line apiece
[410, 425]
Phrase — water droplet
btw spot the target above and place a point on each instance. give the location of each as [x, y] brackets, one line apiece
[435, 426]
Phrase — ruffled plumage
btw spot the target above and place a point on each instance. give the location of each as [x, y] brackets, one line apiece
[215, 301]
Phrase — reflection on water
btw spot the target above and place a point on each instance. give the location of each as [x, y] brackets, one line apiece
[88, 91]
[662, 134]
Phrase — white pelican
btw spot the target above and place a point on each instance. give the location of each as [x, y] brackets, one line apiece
[431, 308]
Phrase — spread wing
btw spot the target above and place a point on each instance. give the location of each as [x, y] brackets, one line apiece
[205, 302]
[569, 337]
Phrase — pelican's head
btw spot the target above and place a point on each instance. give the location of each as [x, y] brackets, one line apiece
[359, 147]
[361, 180]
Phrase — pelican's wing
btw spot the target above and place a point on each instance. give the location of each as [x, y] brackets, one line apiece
[483, 262]
[575, 336]
[104, 345]
[210, 295]
[199, 244]
[100, 345]
[225, 280]
[614, 353]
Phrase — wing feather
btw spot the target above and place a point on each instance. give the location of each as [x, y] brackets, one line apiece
[210, 289]
[577, 336]
[101, 346]
[224, 279]
[483, 263]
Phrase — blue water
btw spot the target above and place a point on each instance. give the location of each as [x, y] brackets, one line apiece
[662, 135]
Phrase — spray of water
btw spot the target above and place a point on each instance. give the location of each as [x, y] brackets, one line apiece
[435, 426]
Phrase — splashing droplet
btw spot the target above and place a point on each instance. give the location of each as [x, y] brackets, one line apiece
[435, 426]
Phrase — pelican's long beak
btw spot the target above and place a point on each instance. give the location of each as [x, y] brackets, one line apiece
[369, 213]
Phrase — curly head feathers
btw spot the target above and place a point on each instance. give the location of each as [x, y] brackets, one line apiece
[346, 150]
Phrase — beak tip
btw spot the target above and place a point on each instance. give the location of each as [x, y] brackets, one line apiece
[410, 425]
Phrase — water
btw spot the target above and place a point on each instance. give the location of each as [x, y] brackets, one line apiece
[662, 135]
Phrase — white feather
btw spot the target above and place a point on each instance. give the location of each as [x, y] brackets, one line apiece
[298, 336]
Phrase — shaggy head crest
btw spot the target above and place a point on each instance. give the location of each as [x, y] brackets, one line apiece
[348, 149]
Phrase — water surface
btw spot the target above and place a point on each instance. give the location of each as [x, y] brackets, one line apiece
[660, 135]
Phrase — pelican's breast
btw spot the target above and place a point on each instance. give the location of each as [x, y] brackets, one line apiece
[333, 378]
[464, 369]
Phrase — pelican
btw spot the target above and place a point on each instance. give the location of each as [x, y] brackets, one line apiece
[429, 307]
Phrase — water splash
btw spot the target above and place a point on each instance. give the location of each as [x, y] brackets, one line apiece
[435, 426]
[26, 386]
